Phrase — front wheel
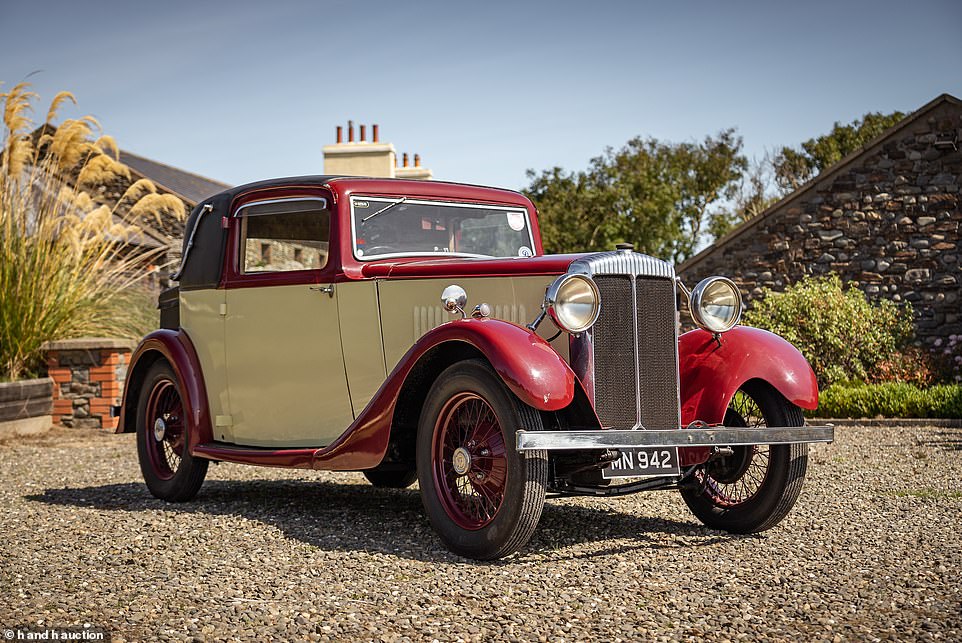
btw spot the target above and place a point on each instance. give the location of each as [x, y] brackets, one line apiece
[754, 488]
[170, 471]
[482, 496]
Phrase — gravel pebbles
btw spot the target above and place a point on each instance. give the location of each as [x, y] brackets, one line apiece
[871, 552]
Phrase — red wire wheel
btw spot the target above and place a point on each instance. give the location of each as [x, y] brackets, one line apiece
[469, 459]
[483, 497]
[165, 422]
[170, 471]
[756, 486]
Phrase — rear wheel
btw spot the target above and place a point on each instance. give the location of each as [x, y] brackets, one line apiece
[482, 496]
[754, 488]
[170, 471]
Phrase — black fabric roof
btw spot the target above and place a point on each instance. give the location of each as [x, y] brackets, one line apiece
[205, 238]
[193, 188]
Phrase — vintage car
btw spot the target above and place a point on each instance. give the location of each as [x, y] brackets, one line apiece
[416, 331]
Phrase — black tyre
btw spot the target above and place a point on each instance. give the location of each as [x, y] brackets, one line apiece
[482, 496]
[753, 489]
[391, 479]
[170, 471]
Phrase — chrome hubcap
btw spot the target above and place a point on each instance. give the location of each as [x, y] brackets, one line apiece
[159, 429]
[461, 461]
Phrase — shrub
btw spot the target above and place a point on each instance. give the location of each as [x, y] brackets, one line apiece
[842, 334]
[912, 365]
[67, 260]
[891, 399]
[949, 357]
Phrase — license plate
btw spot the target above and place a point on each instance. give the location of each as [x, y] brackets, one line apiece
[643, 463]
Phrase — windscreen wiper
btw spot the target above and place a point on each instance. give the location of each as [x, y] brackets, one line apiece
[384, 209]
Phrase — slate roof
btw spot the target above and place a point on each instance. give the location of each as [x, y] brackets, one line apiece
[191, 188]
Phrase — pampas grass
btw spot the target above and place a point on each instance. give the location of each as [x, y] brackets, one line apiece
[68, 267]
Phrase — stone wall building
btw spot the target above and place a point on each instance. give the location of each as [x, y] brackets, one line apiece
[886, 219]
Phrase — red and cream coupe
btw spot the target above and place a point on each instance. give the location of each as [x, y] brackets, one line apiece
[416, 332]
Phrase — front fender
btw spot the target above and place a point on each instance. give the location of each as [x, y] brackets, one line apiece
[712, 371]
[175, 347]
[526, 363]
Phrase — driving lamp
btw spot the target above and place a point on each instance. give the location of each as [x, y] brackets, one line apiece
[716, 304]
[573, 303]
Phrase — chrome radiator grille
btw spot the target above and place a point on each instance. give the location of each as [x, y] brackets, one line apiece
[657, 349]
[634, 343]
[616, 378]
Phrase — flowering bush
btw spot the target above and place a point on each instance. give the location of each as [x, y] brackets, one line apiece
[842, 334]
[950, 357]
[913, 365]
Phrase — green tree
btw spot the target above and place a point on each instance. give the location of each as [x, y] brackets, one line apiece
[794, 166]
[662, 197]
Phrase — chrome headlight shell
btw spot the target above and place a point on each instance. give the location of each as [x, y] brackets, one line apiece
[573, 303]
[716, 304]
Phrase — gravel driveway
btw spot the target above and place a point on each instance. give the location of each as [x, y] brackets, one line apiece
[872, 551]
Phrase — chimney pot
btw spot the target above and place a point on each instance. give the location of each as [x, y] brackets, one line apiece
[340, 134]
[363, 132]
[350, 131]
[374, 132]
[417, 160]
[405, 159]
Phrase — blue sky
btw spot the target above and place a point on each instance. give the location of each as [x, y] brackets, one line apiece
[242, 91]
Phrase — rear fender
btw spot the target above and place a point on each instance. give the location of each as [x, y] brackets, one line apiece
[712, 371]
[176, 348]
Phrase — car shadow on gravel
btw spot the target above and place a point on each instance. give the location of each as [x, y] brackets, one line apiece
[349, 517]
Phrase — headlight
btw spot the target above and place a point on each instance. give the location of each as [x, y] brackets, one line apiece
[716, 304]
[573, 302]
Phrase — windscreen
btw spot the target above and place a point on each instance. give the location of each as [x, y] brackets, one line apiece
[405, 227]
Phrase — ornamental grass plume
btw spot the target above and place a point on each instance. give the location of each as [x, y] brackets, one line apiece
[70, 264]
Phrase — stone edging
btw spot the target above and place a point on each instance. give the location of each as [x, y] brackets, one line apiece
[89, 343]
[951, 423]
[24, 399]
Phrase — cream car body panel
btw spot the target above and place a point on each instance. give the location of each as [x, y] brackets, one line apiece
[201, 318]
[360, 324]
[283, 347]
[412, 307]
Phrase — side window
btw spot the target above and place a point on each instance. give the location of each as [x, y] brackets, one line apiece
[284, 235]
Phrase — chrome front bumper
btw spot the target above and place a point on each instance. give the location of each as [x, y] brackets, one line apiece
[702, 437]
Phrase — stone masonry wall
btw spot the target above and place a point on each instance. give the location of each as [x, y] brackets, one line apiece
[88, 377]
[887, 222]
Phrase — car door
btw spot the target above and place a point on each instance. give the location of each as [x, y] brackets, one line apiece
[285, 368]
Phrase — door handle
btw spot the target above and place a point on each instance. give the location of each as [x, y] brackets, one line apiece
[329, 289]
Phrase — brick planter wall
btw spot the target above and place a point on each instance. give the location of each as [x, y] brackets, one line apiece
[88, 377]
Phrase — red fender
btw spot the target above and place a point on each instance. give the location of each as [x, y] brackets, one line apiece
[711, 372]
[177, 349]
[525, 362]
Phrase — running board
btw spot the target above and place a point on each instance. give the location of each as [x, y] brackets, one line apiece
[715, 436]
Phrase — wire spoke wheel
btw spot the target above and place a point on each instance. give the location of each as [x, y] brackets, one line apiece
[170, 471]
[734, 479]
[165, 417]
[754, 487]
[482, 496]
[471, 469]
